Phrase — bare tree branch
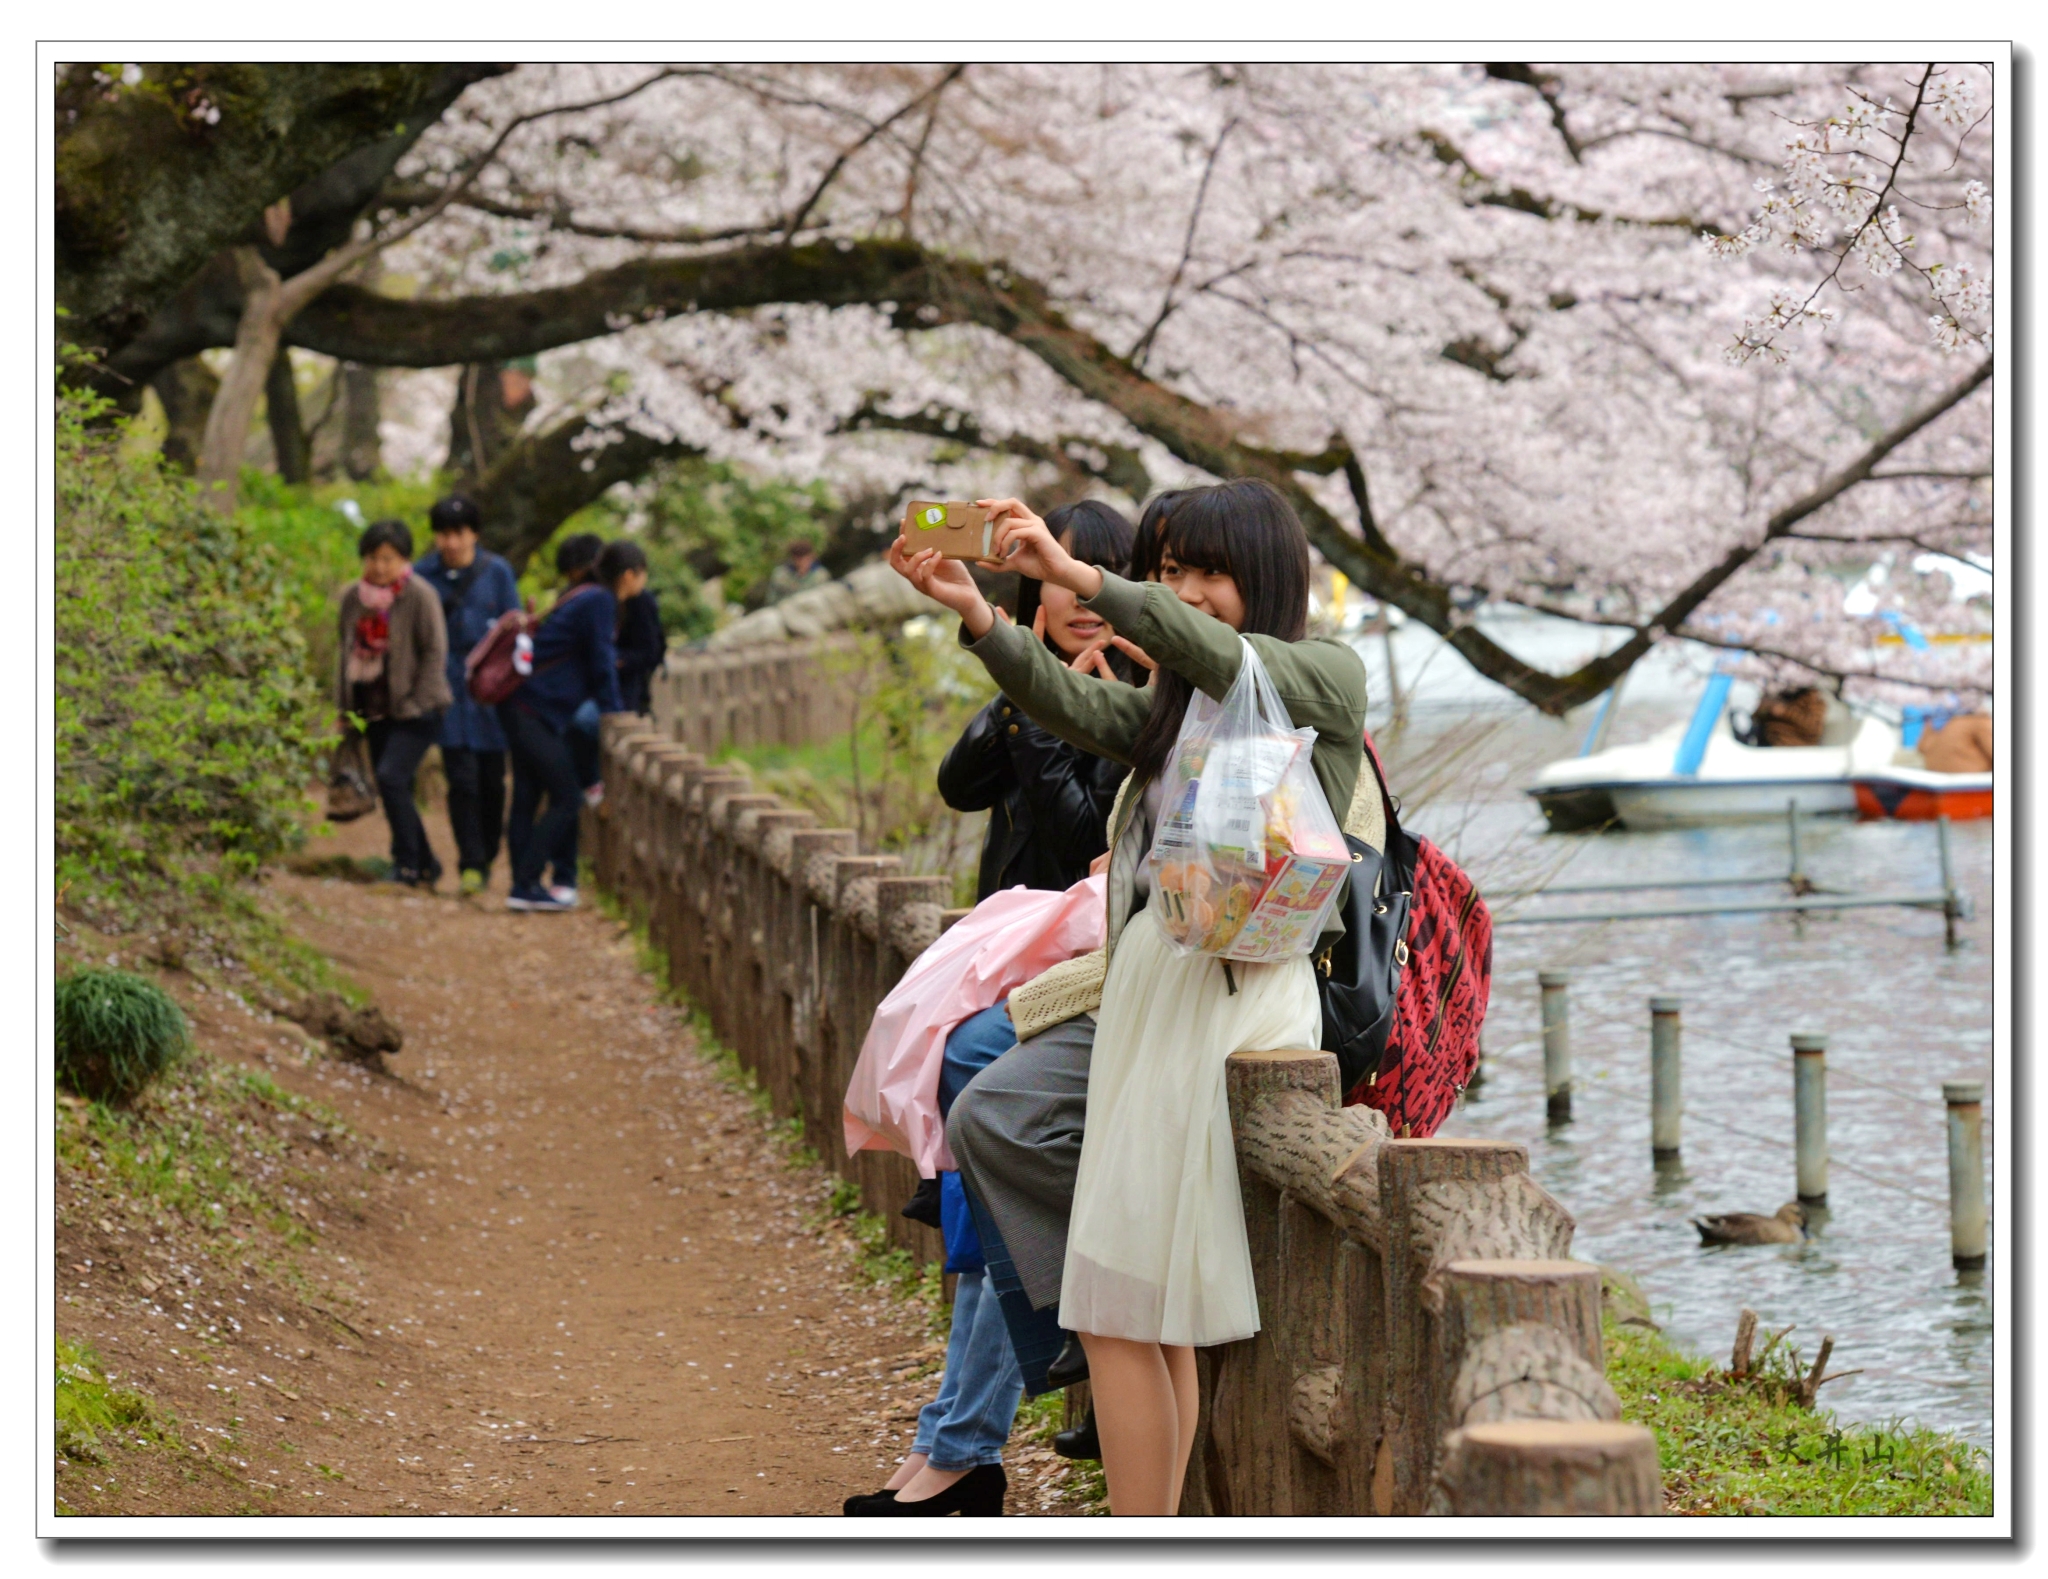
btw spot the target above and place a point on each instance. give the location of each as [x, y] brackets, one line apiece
[1136, 355]
[803, 212]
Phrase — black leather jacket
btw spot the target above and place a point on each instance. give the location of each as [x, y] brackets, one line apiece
[1048, 802]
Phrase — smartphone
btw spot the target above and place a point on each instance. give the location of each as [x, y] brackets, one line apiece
[957, 529]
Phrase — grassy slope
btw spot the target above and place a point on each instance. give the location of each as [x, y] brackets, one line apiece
[1736, 1447]
[215, 1178]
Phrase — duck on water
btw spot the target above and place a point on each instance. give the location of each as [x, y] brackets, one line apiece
[1786, 1226]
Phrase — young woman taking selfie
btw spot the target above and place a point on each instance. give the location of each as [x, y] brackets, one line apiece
[1157, 1260]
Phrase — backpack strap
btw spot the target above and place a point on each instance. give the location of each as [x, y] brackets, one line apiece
[1400, 846]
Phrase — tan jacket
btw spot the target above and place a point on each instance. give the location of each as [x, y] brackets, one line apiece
[416, 664]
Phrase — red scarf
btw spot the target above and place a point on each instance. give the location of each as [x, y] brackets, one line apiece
[373, 628]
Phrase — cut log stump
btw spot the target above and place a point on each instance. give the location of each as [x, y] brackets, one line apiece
[1550, 1468]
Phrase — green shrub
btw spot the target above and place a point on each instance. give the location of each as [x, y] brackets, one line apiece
[116, 1032]
[90, 1409]
[187, 723]
[910, 694]
[699, 518]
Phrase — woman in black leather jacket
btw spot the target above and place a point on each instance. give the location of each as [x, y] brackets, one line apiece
[1048, 802]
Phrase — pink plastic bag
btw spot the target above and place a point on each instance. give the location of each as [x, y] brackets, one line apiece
[892, 1101]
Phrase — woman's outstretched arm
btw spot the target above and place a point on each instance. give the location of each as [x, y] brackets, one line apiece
[1099, 716]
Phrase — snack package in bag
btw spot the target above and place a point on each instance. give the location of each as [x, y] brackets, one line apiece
[1247, 859]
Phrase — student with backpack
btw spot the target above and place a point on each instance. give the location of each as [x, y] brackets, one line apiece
[573, 662]
[476, 587]
[1157, 1262]
[392, 673]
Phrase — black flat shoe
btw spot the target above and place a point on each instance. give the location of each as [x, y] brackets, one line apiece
[858, 1505]
[1070, 1365]
[1081, 1442]
[978, 1494]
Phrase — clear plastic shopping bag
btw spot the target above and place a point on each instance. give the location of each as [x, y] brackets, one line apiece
[1248, 860]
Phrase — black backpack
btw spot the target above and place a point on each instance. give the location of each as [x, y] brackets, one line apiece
[1359, 976]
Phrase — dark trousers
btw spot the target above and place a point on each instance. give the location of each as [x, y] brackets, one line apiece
[396, 747]
[541, 769]
[476, 804]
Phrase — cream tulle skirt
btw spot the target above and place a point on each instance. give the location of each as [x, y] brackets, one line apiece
[1157, 1250]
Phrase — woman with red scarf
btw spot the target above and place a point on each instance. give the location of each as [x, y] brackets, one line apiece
[392, 674]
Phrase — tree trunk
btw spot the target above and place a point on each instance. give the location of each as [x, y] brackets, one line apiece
[186, 390]
[287, 428]
[361, 448]
[234, 408]
[544, 479]
[1558, 1468]
[153, 180]
[487, 417]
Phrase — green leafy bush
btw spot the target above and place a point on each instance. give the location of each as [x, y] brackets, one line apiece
[116, 1032]
[91, 1410]
[188, 724]
[910, 695]
[699, 518]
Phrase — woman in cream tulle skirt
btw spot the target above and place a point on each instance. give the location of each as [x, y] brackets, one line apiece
[1156, 1254]
[1156, 1250]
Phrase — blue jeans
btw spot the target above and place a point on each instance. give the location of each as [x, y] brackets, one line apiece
[968, 1423]
[1035, 1335]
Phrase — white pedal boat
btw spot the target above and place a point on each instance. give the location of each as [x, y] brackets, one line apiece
[1698, 773]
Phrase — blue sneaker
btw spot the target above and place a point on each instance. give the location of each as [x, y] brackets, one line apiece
[534, 899]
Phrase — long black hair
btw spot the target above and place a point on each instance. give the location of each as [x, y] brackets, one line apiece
[1093, 533]
[1246, 530]
[1151, 527]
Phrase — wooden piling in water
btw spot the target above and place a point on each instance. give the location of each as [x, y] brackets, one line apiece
[1951, 901]
[1810, 1115]
[1557, 1044]
[1667, 1102]
[1968, 1223]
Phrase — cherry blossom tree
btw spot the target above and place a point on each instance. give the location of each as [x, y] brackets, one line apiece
[1463, 316]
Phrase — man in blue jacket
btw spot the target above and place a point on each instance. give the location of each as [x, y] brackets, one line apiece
[476, 587]
[575, 661]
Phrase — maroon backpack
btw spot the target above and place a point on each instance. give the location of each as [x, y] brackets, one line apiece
[1440, 1002]
[492, 670]
[502, 661]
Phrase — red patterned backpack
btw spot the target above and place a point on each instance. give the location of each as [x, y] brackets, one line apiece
[1445, 972]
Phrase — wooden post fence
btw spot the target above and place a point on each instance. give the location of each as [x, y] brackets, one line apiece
[1427, 1344]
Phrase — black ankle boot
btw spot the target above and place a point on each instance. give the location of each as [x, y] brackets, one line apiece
[1081, 1442]
[1070, 1365]
[978, 1494]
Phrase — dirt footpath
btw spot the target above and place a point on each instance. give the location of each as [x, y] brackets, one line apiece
[590, 1281]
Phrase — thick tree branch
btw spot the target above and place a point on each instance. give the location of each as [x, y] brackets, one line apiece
[548, 476]
[1597, 675]
[926, 291]
[1122, 468]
